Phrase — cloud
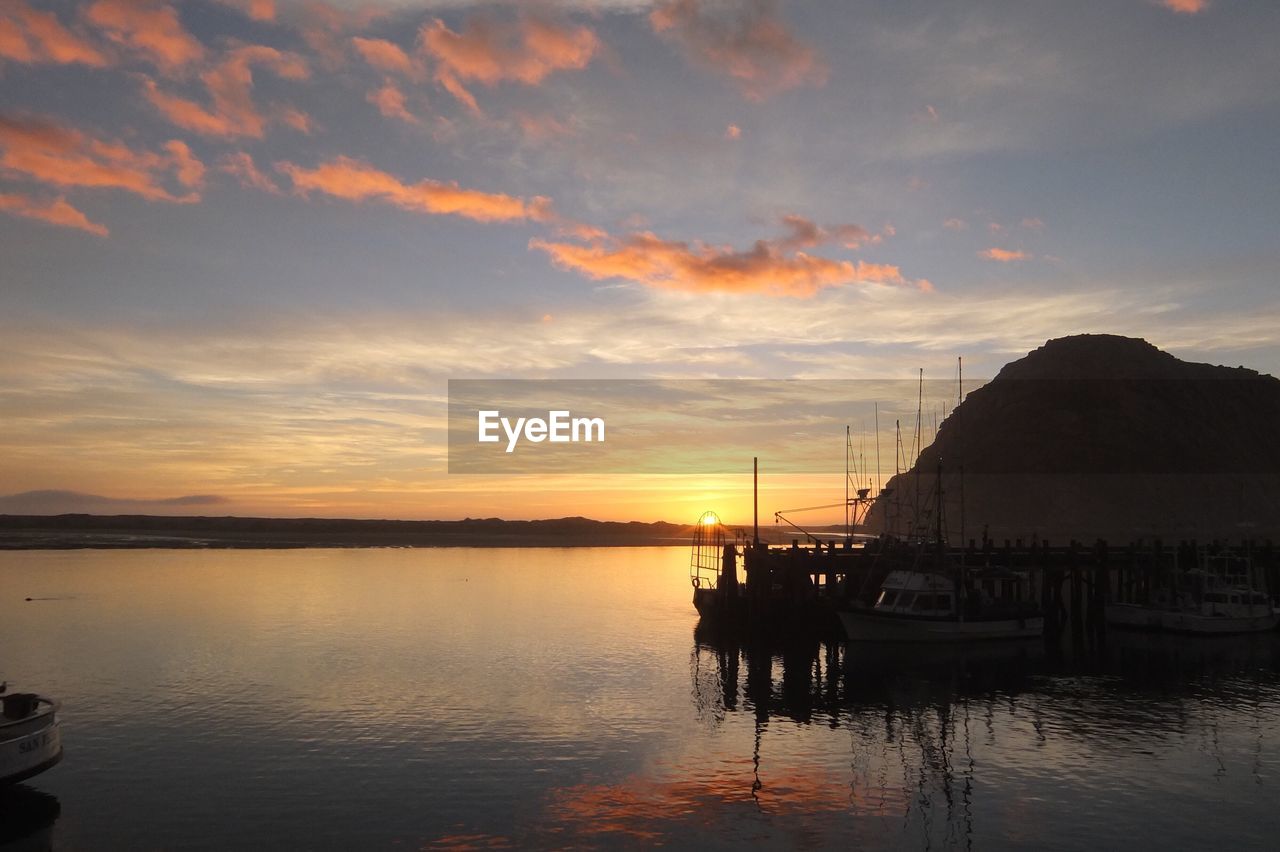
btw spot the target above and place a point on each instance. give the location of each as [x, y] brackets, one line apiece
[1003, 255]
[149, 27]
[491, 52]
[1185, 7]
[388, 57]
[766, 268]
[31, 36]
[256, 10]
[747, 41]
[1033, 223]
[230, 85]
[56, 212]
[540, 128]
[353, 180]
[808, 234]
[390, 102]
[241, 166]
[45, 151]
[954, 224]
[54, 502]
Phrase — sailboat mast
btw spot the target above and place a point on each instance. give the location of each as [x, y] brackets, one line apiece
[960, 440]
[915, 520]
[879, 485]
[846, 482]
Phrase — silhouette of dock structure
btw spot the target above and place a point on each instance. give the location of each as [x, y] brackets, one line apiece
[798, 590]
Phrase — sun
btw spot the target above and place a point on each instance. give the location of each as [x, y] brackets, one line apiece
[709, 519]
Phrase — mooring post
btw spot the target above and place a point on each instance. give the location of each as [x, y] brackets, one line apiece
[1077, 604]
[1101, 582]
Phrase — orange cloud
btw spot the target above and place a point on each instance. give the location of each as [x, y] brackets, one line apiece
[1003, 255]
[390, 102]
[230, 84]
[747, 41]
[56, 212]
[733, 131]
[47, 152]
[241, 166]
[295, 118]
[256, 10]
[387, 56]
[353, 180]
[150, 27]
[1185, 7]
[326, 26]
[187, 169]
[31, 36]
[539, 128]
[764, 268]
[808, 234]
[491, 52]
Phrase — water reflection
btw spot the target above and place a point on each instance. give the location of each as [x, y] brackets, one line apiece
[933, 730]
[556, 698]
[26, 819]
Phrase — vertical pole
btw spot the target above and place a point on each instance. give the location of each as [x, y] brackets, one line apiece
[879, 484]
[755, 501]
[960, 438]
[846, 482]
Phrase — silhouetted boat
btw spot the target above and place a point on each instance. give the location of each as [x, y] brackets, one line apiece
[30, 739]
[922, 606]
[1220, 597]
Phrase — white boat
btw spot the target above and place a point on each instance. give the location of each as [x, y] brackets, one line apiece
[1219, 598]
[30, 737]
[1230, 610]
[921, 606]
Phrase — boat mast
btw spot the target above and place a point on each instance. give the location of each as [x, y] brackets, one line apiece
[915, 520]
[846, 482]
[755, 501]
[959, 442]
[879, 485]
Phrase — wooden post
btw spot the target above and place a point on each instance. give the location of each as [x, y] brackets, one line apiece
[1077, 604]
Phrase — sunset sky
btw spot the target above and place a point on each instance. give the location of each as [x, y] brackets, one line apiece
[244, 244]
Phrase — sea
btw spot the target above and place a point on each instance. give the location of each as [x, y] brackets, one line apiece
[488, 698]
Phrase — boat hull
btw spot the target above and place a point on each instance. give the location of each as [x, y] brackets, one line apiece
[1174, 621]
[868, 626]
[30, 745]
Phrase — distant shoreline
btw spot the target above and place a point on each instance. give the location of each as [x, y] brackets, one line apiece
[132, 532]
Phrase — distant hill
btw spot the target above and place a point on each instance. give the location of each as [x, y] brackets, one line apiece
[1103, 436]
[134, 531]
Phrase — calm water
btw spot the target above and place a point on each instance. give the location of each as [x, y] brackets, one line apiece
[490, 698]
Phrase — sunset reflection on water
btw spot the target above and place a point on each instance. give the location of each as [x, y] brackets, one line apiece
[488, 698]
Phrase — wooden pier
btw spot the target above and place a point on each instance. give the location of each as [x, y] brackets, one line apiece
[798, 589]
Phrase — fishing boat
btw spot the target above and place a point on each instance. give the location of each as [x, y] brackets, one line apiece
[934, 599]
[1219, 597]
[30, 739]
[923, 606]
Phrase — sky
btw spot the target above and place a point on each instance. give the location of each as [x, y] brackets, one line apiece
[245, 244]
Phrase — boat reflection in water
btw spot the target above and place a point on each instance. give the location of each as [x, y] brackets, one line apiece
[26, 819]
[980, 744]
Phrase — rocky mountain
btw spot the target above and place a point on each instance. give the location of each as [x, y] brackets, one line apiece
[1101, 436]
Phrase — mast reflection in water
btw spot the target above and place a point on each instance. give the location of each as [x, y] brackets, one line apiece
[939, 735]
[563, 697]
